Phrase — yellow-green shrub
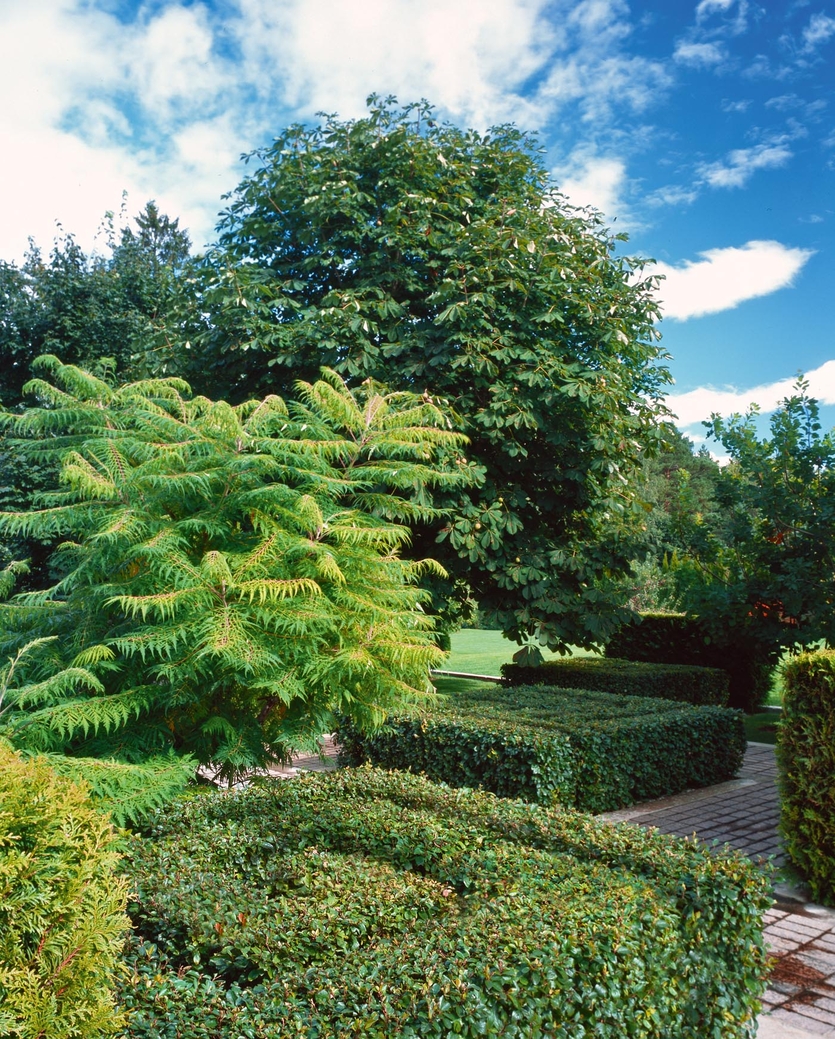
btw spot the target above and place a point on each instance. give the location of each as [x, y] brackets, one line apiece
[62, 921]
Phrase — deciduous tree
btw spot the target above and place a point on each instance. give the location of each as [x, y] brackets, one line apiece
[440, 260]
[229, 577]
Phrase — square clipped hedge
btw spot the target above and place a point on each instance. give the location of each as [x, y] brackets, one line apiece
[806, 763]
[682, 682]
[364, 903]
[588, 750]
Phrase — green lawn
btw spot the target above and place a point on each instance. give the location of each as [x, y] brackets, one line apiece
[483, 652]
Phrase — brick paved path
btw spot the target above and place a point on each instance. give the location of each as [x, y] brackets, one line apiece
[800, 1000]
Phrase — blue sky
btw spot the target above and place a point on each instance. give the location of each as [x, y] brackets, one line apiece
[704, 129]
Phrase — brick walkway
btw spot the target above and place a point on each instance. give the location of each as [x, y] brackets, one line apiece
[800, 1000]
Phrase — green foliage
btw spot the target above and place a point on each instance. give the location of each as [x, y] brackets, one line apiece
[589, 750]
[496, 751]
[434, 258]
[686, 684]
[806, 759]
[116, 309]
[675, 638]
[62, 921]
[229, 577]
[364, 903]
[765, 580]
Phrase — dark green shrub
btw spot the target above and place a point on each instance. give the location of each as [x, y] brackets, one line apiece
[675, 638]
[589, 750]
[806, 759]
[62, 919]
[682, 682]
[375, 904]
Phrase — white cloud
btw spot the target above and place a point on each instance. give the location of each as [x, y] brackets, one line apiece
[595, 181]
[742, 163]
[698, 405]
[739, 24]
[820, 28]
[723, 278]
[472, 59]
[699, 54]
[161, 103]
[672, 195]
[707, 7]
[736, 106]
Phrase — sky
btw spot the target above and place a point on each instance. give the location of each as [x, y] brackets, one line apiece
[705, 130]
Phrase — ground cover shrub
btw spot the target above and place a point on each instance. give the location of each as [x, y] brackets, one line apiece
[675, 638]
[380, 904]
[806, 760]
[682, 682]
[62, 920]
[589, 750]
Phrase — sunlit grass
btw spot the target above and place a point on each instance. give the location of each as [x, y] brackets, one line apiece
[480, 652]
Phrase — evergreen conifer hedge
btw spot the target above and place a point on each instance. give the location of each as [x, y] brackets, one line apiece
[62, 920]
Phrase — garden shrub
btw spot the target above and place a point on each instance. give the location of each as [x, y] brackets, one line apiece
[675, 638]
[588, 750]
[682, 682]
[806, 759]
[62, 919]
[379, 904]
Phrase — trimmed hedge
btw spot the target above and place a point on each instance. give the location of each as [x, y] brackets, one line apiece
[62, 921]
[588, 750]
[681, 682]
[363, 903]
[806, 760]
[675, 638]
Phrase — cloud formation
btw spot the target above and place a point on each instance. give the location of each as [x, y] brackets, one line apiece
[162, 102]
[698, 405]
[724, 278]
[594, 181]
[742, 163]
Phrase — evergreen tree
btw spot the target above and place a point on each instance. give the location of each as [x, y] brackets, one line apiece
[229, 578]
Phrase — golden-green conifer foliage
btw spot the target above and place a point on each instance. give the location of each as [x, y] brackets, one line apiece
[228, 577]
[62, 920]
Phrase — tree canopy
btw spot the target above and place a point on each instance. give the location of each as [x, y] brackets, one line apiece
[227, 577]
[770, 570]
[444, 261]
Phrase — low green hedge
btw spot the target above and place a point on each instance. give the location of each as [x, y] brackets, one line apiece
[375, 904]
[588, 750]
[682, 682]
[676, 638]
[806, 762]
[62, 920]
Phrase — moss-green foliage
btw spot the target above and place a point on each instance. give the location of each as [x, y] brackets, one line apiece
[806, 758]
[590, 750]
[62, 919]
[687, 684]
[229, 576]
[675, 638]
[374, 904]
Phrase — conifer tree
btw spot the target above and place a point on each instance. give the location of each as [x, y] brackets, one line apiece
[229, 577]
